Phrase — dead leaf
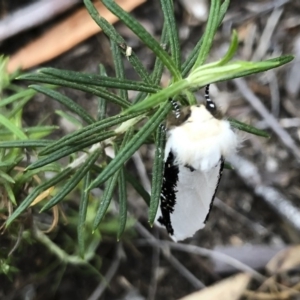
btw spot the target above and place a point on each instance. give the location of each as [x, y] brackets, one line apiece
[286, 259]
[228, 289]
[42, 196]
[65, 35]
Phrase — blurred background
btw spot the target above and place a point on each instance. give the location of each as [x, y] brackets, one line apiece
[253, 230]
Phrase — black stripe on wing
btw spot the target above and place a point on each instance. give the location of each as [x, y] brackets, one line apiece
[168, 193]
[213, 197]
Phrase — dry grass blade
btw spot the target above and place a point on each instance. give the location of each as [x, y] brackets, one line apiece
[285, 260]
[104, 284]
[169, 257]
[231, 288]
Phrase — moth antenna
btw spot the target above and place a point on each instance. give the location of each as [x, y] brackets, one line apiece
[210, 105]
[176, 108]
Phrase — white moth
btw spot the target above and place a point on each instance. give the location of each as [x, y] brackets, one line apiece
[198, 142]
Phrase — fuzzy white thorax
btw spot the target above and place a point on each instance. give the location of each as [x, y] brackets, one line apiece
[201, 140]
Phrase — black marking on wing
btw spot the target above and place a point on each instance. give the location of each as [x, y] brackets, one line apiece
[213, 197]
[168, 193]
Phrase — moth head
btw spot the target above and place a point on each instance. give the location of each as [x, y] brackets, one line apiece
[192, 113]
[181, 115]
[175, 119]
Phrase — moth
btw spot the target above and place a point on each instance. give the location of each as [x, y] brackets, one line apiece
[198, 142]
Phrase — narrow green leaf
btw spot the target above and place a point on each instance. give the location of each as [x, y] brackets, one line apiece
[138, 187]
[102, 104]
[190, 61]
[119, 67]
[122, 187]
[24, 177]
[6, 177]
[281, 60]
[133, 144]
[98, 80]
[10, 193]
[106, 199]
[158, 172]
[231, 50]
[66, 101]
[223, 10]
[12, 128]
[88, 130]
[73, 182]
[158, 65]
[210, 73]
[97, 91]
[84, 199]
[38, 132]
[106, 27]
[15, 97]
[211, 26]
[114, 36]
[10, 163]
[122, 203]
[168, 11]
[144, 35]
[161, 96]
[33, 133]
[70, 118]
[17, 107]
[25, 144]
[248, 128]
[36, 192]
[67, 150]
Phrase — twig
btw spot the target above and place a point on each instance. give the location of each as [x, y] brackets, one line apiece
[155, 264]
[150, 239]
[256, 227]
[197, 284]
[19, 238]
[277, 201]
[268, 118]
[207, 253]
[32, 15]
[256, 256]
[262, 8]
[275, 95]
[141, 171]
[267, 34]
[108, 276]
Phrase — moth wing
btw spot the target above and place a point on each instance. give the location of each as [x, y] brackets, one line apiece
[194, 197]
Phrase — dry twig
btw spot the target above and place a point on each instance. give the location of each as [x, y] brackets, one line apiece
[277, 201]
[267, 116]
